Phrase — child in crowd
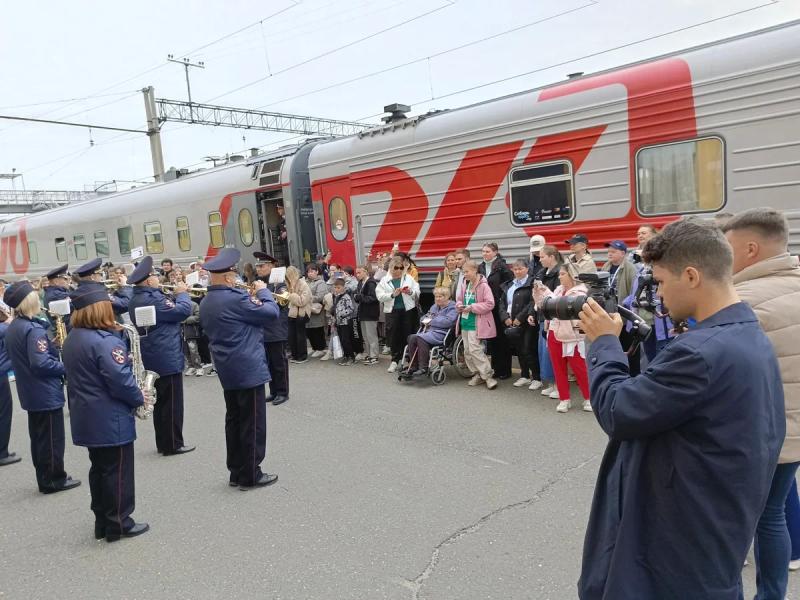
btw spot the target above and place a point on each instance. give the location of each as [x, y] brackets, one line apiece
[344, 312]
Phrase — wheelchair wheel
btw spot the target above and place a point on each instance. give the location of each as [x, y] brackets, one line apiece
[458, 359]
[438, 376]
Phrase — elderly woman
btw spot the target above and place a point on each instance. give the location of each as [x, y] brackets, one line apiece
[299, 313]
[474, 304]
[437, 322]
[399, 292]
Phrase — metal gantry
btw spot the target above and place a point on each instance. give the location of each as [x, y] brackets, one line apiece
[27, 201]
[243, 118]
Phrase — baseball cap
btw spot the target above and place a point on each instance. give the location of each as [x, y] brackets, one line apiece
[578, 238]
[618, 244]
[537, 243]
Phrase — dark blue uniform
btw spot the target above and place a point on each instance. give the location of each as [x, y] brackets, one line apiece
[276, 334]
[120, 299]
[162, 352]
[6, 406]
[234, 323]
[39, 375]
[55, 292]
[694, 441]
[102, 398]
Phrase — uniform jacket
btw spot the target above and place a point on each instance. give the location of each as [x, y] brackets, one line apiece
[37, 368]
[624, 278]
[385, 289]
[498, 275]
[162, 344]
[443, 319]
[772, 288]
[300, 300]
[694, 441]
[102, 389]
[277, 330]
[369, 309]
[121, 298]
[318, 289]
[521, 304]
[53, 292]
[5, 362]
[484, 303]
[234, 323]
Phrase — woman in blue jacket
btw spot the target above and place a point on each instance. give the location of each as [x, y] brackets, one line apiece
[6, 407]
[39, 375]
[103, 396]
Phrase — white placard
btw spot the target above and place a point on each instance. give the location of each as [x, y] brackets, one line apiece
[145, 316]
[277, 275]
[193, 278]
[137, 252]
[60, 307]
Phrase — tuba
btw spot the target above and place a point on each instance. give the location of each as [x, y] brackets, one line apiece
[145, 379]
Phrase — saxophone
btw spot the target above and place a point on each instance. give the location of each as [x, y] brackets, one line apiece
[61, 330]
[144, 379]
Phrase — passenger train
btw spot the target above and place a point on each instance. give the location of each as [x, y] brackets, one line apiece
[713, 128]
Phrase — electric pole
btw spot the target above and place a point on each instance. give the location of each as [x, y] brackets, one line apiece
[154, 133]
[186, 64]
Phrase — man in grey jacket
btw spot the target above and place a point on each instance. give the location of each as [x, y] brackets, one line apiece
[767, 278]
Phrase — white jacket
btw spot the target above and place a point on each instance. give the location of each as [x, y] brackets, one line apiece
[385, 289]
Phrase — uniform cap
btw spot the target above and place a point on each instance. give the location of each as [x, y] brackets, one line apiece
[537, 243]
[142, 271]
[88, 293]
[618, 244]
[16, 293]
[58, 272]
[578, 238]
[89, 268]
[223, 262]
[263, 257]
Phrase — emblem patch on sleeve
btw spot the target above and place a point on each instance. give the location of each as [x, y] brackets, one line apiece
[255, 301]
[118, 354]
[41, 345]
[169, 303]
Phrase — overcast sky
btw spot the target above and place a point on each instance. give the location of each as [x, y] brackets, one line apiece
[292, 49]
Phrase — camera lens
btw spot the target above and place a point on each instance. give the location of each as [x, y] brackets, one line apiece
[563, 308]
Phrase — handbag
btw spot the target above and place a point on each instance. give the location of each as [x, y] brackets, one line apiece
[316, 308]
[336, 346]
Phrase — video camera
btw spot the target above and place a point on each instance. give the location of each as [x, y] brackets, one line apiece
[646, 292]
[569, 307]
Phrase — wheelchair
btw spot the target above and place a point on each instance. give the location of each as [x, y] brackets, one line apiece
[449, 352]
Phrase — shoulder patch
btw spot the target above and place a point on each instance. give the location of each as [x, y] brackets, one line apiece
[169, 303]
[255, 301]
[41, 345]
[118, 354]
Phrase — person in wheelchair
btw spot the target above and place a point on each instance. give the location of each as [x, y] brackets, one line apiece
[434, 326]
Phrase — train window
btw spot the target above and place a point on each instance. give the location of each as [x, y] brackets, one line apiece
[61, 249]
[246, 227]
[79, 244]
[541, 193]
[184, 237]
[337, 213]
[215, 231]
[152, 238]
[125, 239]
[101, 247]
[33, 253]
[683, 177]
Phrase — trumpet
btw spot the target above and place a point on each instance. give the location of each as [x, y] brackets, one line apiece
[282, 298]
[196, 292]
[112, 285]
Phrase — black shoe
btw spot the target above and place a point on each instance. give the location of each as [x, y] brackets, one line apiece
[263, 481]
[137, 529]
[419, 372]
[233, 483]
[10, 459]
[99, 531]
[503, 376]
[181, 450]
[270, 398]
[68, 484]
[279, 400]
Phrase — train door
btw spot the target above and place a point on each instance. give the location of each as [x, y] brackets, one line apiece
[242, 230]
[273, 225]
[338, 215]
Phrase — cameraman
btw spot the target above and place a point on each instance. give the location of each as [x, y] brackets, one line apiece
[694, 440]
[767, 277]
[623, 276]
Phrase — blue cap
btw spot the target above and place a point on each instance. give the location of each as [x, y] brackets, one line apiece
[58, 272]
[618, 244]
[223, 262]
[142, 271]
[16, 293]
[88, 293]
[89, 268]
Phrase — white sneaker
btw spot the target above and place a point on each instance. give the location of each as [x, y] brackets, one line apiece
[392, 367]
[316, 354]
[554, 395]
[563, 406]
[535, 385]
[386, 350]
[476, 380]
[794, 565]
[587, 406]
[548, 390]
[326, 355]
[199, 372]
[521, 382]
[491, 383]
[189, 372]
[361, 356]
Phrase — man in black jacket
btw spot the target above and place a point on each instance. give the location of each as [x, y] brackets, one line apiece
[369, 310]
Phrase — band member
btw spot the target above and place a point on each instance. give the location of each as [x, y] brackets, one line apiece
[57, 288]
[6, 406]
[91, 272]
[162, 352]
[102, 397]
[39, 376]
[276, 334]
[234, 323]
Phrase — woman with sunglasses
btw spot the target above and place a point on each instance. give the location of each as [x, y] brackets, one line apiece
[399, 293]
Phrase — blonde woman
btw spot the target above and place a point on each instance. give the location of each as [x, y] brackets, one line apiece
[449, 276]
[399, 293]
[299, 313]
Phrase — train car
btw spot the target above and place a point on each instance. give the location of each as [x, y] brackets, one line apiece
[714, 128]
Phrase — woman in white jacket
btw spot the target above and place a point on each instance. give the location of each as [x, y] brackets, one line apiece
[399, 293]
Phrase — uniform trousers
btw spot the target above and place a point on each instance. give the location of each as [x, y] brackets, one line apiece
[6, 410]
[369, 331]
[298, 344]
[245, 433]
[111, 484]
[278, 368]
[474, 356]
[46, 429]
[576, 362]
[168, 412]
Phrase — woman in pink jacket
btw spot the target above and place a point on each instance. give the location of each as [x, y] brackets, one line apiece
[564, 341]
[474, 304]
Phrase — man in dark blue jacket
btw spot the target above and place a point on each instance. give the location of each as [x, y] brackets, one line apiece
[162, 352]
[234, 322]
[6, 405]
[694, 440]
[57, 289]
[91, 272]
[276, 334]
[39, 375]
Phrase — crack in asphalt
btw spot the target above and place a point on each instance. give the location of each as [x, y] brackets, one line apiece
[415, 585]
